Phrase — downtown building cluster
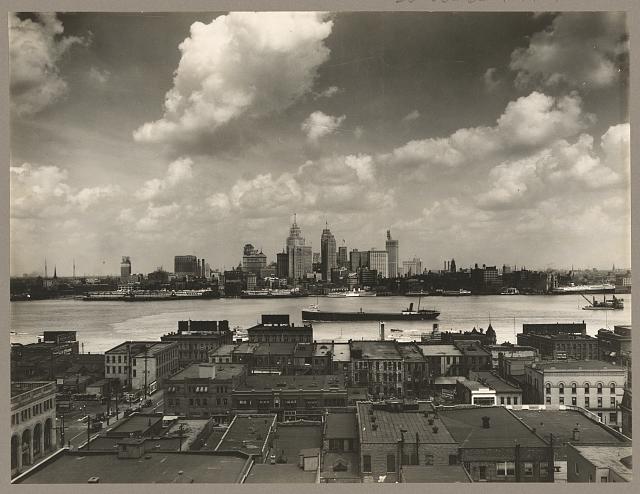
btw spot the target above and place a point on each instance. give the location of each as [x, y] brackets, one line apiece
[279, 404]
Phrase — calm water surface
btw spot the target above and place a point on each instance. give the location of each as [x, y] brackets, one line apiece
[102, 325]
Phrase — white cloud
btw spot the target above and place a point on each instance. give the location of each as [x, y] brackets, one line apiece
[318, 125]
[561, 168]
[578, 48]
[178, 172]
[491, 82]
[155, 215]
[35, 51]
[328, 93]
[414, 115]
[530, 122]
[219, 203]
[99, 76]
[363, 165]
[246, 64]
[358, 132]
[42, 191]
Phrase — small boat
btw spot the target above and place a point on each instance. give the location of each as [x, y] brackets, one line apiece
[456, 293]
[510, 291]
[395, 330]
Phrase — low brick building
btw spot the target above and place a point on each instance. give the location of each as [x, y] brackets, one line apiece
[394, 434]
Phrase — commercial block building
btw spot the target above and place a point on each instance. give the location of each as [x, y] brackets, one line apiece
[196, 339]
[278, 329]
[600, 464]
[141, 365]
[378, 365]
[561, 345]
[505, 392]
[595, 385]
[615, 346]
[33, 423]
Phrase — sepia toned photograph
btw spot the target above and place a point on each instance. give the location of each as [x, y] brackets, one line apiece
[298, 247]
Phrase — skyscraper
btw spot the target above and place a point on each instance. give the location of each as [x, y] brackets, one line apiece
[327, 253]
[379, 261]
[392, 250]
[300, 255]
[125, 269]
[185, 265]
[253, 261]
[342, 258]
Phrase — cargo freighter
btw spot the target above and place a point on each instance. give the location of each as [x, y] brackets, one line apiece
[273, 293]
[314, 314]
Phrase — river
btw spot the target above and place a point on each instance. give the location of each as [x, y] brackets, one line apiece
[102, 325]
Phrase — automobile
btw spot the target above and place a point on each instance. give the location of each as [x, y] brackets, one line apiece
[148, 403]
[96, 426]
[128, 412]
[100, 416]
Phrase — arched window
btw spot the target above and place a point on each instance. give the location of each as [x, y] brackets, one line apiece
[547, 388]
[586, 388]
[599, 388]
[612, 388]
[574, 388]
[561, 388]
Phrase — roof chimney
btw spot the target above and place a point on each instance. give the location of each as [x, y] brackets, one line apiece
[576, 434]
[485, 422]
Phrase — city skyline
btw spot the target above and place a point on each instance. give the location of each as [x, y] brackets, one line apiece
[451, 130]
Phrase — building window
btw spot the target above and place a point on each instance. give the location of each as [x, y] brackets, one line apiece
[577, 469]
[599, 388]
[561, 400]
[547, 400]
[612, 388]
[505, 468]
[453, 459]
[391, 463]
[544, 471]
[428, 459]
[515, 400]
[574, 388]
[366, 463]
[574, 401]
[508, 400]
[586, 401]
[482, 473]
[613, 417]
[528, 469]
[586, 388]
[599, 402]
[561, 388]
[604, 479]
[502, 400]
[613, 401]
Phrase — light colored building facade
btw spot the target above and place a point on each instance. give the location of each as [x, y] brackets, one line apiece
[412, 267]
[592, 384]
[599, 463]
[33, 423]
[392, 248]
[125, 269]
[300, 256]
[379, 260]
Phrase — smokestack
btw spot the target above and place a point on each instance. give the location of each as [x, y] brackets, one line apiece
[576, 434]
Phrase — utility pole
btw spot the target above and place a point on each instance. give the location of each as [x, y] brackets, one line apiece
[146, 349]
[88, 431]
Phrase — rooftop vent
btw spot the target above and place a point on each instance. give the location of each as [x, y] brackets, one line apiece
[374, 427]
[93, 480]
[486, 422]
[575, 434]
[435, 429]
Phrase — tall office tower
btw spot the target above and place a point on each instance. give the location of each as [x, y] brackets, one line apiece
[342, 259]
[392, 249]
[413, 267]
[252, 260]
[327, 253]
[282, 263]
[125, 269]
[358, 259]
[185, 265]
[452, 266]
[379, 261]
[300, 256]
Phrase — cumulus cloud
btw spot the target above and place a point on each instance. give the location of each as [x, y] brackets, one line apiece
[562, 168]
[36, 48]
[152, 219]
[577, 49]
[414, 115]
[318, 125]
[99, 76]
[358, 132]
[242, 64]
[528, 123]
[43, 191]
[178, 172]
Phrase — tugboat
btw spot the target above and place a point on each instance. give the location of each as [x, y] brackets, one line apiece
[614, 303]
[510, 291]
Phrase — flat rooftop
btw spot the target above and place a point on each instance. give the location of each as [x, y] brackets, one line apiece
[341, 426]
[225, 349]
[322, 348]
[440, 351]
[341, 352]
[280, 473]
[270, 381]
[275, 349]
[434, 474]
[471, 347]
[465, 423]
[196, 371]
[561, 423]
[496, 382]
[294, 437]
[136, 423]
[609, 457]
[390, 423]
[247, 433]
[378, 350]
[410, 352]
[573, 365]
[77, 468]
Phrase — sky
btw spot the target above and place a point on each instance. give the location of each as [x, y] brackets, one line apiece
[491, 138]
